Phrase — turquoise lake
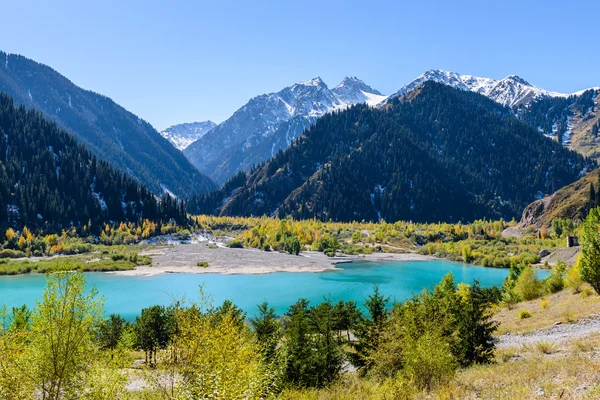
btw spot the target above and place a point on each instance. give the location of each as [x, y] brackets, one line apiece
[127, 295]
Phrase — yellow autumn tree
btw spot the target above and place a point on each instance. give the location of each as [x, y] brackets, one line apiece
[211, 356]
[10, 234]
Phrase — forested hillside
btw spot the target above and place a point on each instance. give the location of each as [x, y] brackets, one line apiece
[48, 180]
[552, 116]
[105, 128]
[436, 153]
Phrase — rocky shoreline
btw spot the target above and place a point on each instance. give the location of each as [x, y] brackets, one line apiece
[184, 258]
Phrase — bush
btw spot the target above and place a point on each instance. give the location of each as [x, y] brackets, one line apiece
[573, 279]
[523, 314]
[117, 256]
[143, 260]
[528, 287]
[104, 265]
[203, 264]
[586, 292]
[589, 262]
[428, 362]
[235, 244]
[556, 282]
[544, 304]
[76, 248]
[545, 347]
[8, 253]
[292, 245]
[266, 247]
[467, 254]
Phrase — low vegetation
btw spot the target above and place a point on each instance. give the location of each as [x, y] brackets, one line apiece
[100, 259]
[438, 344]
[478, 243]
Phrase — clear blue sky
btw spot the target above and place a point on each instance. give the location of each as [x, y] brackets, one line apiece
[181, 61]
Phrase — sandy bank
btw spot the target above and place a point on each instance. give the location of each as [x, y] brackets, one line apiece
[183, 258]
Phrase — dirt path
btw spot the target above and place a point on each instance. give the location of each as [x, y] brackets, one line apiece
[558, 332]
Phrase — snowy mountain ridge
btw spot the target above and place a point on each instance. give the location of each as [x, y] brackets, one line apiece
[511, 91]
[182, 135]
[270, 122]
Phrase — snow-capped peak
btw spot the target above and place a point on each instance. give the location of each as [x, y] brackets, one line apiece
[182, 135]
[511, 91]
[316, 81]
[518, 79]
[354, 91]
[270, 122]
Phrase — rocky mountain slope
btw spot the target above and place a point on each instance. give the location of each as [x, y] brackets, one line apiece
[182, 135]
[571, 201]
[105, 128]
[270, 122]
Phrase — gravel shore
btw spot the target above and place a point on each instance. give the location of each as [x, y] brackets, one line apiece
[183, 258]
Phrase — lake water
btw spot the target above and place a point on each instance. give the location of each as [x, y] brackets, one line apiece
[127, 295]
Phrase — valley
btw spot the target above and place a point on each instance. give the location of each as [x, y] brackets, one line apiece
[438, 241]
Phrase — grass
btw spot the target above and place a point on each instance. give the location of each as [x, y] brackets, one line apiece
[43, 266]
[535, 376]
[561, 307]
[545, 347]
[103, 258]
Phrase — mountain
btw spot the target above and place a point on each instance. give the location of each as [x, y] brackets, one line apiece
[433, 154]
[571, 201]
[50, 181]
[571, 119]
[511, 91]
[270, 122]
[105, 128]
[182, 135]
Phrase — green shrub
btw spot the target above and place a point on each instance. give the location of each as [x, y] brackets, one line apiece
[106, 265]
[586, 292]
[9, 253]
[467, 254]
[76, 248]
[428, 361]
[143, 260]
[117, 256]
[203, 264]
[528, 287]
[266, 247]
[556, 282]
[235, 244]
[523, 314]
